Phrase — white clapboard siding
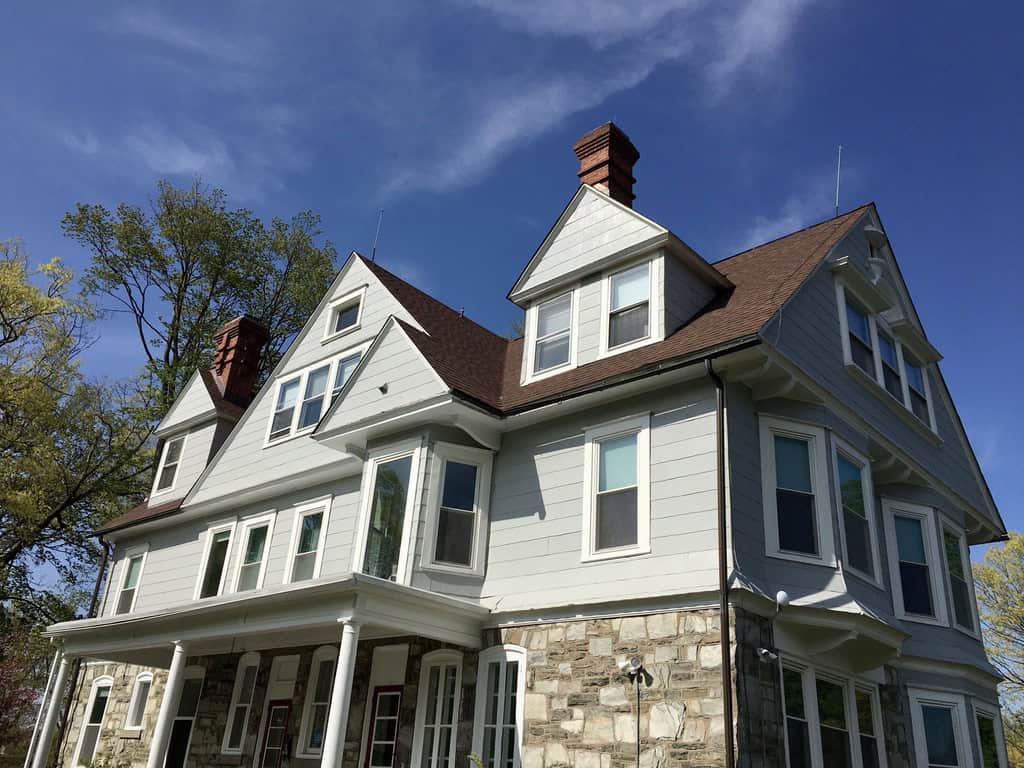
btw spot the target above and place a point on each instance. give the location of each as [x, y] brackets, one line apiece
[194, 401]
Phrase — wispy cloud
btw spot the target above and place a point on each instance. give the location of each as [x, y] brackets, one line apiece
[166, 153]
[81, 142]
[151, 25]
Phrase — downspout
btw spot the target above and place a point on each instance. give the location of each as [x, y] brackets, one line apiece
[723, 566]
[77, 664]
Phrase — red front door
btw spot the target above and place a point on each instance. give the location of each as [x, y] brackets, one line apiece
[275, 737]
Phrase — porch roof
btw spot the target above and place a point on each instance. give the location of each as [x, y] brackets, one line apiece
[282, 616]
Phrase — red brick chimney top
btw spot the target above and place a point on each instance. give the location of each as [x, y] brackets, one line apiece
[236, 360]
[607, 157]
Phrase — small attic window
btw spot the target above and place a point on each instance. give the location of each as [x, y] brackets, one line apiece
[167, 474]
[346, 314]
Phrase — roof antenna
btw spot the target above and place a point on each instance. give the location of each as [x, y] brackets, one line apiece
[373, 253]
[839, 168]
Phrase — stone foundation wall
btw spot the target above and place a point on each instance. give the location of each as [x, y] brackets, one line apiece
[581, 709]
[759, 712]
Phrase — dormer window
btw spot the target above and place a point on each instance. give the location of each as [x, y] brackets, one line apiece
[346, 314]
[629, 315]
[554, 328]
[169, 461]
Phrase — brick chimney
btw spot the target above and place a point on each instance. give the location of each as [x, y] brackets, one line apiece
[237, 358]
[607, 157]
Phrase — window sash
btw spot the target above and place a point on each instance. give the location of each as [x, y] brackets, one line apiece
[616, 504]
[389, 499]
[557, 337]
[308, 539]
[284, 411]
[169, 464]
[346, 315]
[914, 565]
[250, 566]
[988, 740]
[241, 705]
[629, 306]
[215, 563]
[314, 396]
[959, 587]
[852, 480]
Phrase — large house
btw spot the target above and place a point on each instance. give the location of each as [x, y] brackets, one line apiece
[699, 515]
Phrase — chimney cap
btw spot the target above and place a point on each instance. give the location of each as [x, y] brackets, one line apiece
[250, 323]
[606, 159]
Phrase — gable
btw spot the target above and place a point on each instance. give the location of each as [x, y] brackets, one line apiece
[193, 403]
[592, 228]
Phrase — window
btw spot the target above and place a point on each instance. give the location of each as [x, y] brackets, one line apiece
[138, 701]
[303, 398]
[241, 703]
[184, 719]
[167, 474]
[92, 723]
[215, 557]
[940, 730]
[391, 491]
[346, 314]
[958, 571]
[629, 315]
[460, 482]
[991, 745]
[891, 378]
[318, 701]
[862, 351]
[798, 516]
[553, 334]
[132, 573]
[913, 558]
[381, 747]
[617, 458]
[917, 387]
[438, 710]
[252, 557]
[498, 725]
[830, 721]
[856, 505]
[307, 545]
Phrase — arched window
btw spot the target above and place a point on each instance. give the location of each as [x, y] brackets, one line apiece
[318, 701]
[137, 705]
[92, 723]
[185, 717]
[241, 702]
[498, 725]
[437, 710]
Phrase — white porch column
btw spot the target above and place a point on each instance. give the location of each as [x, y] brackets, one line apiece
[341, 697]
[45, 739]
[168, 709]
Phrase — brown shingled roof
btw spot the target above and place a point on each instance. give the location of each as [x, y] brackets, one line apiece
[140, 514]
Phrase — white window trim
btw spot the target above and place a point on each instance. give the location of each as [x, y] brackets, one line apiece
[809, 674]
[483, 460]
[530, 345]
[321, 654]
[143, 551]
[503, 653]
[163, 459]
[443, 657]
[641, 426]
[139, 678]
[300, 511]
[769, 426]
[302, 374]
[212, 531]
[413, 503]
[343, 302]
[656, 320]
[965, 558]
[994, 713]
[194, 672]
[855, 457]
[936, 562]
[106, 681]
[268, 519]
[249, 659]
[958, 704]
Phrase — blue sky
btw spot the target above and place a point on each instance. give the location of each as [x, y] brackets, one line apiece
[457, 118]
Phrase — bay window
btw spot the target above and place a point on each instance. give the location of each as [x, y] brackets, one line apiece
[498, 725]
[958, 573]
[939, 724]
[989, 726]
[914, 562]
[617, 500]
[456, 525]
[855, 501]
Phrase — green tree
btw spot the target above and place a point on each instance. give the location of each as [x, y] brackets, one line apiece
[999, 583]
[189, 264]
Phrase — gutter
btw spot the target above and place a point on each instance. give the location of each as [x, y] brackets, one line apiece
[723, 566]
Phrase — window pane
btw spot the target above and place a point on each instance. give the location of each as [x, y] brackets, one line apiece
[131, 576]
[304, 566]
[324, 680]
[288, 394]
[238, 718]
[958, 581]
[177, 749]
[90, 735]
[124, 602]
[433, 692]
[887, 349]
[459, 486]
[99, 705]
[387, 518]
[167, 475]
[793, 691]
[346, 317]
[454, 537]
[915, 376]
[855, 523]
[919, 405]
[139, 699]
[248, 577]
[616, 519]
[939, 735]
[917, 591]
[215, 564]
[989, 744]
[862, 355]
[835, 748]
[554, 316]
[313, 401]
[309, 533]
[865, 716]
[552, 352]
[254, 545]
[629, 287]
[799, 743]
[174, 451]
[797, 525]
[345, 368]
[910, 540]
[857, 322]
[628, 325]
[851, 486]
[868, 751]
[189, 702]
[318, 724]
[792, 464]
[831, 704]
[618, 462]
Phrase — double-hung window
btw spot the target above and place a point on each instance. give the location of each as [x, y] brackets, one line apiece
[241, 703]
[917, 389]
[170, 460]
[215, 559]
[629, 306]
[617, 489]
[855, 500]
[131, 576]
[992, 747]
[307, 542]
[892, 380]
[138, 701]
[252, 556]
[318, 701]
[313, 397]
[437, 710]
[284, 409]
[92, 725]
[958, 572]
[455, 532]
[498, 725]
[794, 474]
[553, 334]
[914, 562]
[862, 349]
[939, 722]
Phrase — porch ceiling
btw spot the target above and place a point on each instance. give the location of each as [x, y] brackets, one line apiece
[289, 615]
